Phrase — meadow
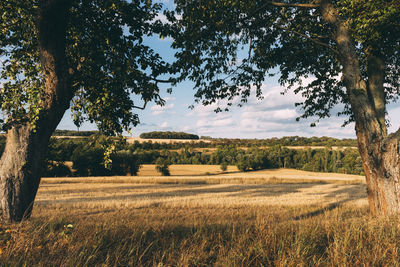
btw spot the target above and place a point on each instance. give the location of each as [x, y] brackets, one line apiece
[279, 217]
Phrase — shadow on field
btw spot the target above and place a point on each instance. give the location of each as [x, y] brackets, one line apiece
[48, 189]
[158, 194]
[353, 192]
[128, 193]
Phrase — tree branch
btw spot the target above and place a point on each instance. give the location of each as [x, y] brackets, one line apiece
[144, 105]
[309, 38]
[375, 88]
[170, 80]
[279, 4]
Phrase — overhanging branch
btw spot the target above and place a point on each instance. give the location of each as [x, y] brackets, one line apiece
[279, 4]
[170, 80]
[144, 105]
[309, 38]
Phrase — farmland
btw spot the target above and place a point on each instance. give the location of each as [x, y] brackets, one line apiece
[203, 215]
[280, 217]
[262, 188]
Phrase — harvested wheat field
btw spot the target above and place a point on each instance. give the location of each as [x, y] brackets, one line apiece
[185, 170]
[232, 172]
[283, 187]
[266, 218]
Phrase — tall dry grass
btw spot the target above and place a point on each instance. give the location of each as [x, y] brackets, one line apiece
[123, 222]
[245, 236]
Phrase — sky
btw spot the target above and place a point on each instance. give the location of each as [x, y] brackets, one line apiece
[273, 116]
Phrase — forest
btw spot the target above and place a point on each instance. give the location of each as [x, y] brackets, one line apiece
[168, 135]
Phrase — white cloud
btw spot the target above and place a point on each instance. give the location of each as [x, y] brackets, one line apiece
[273, 98]
[168, 98]
[208, 123]
[157, 110]
[272, 115]
[164, 124]
[393, 116]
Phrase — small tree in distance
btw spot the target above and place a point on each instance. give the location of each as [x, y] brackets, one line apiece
[162, 166]
[224, 166]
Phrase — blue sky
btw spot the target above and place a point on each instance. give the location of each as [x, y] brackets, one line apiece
[274, 116]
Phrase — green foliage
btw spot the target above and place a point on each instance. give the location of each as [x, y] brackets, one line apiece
[125, 163]
[224, 166]
[74, 133]
[228, 47]
[56, 169]
[107, 59]
[168, 135]
[63, 149]
[89, 160]
[87, 154]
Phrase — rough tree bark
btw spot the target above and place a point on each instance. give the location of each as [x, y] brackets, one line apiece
[22, 160]
[379, 152]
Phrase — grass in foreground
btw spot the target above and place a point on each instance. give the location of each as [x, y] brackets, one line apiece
[243, 236]
[268, 222]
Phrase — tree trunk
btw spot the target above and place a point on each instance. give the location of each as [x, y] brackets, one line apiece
[20, 168]
[379, 152]
[26, 144]
[381, 166]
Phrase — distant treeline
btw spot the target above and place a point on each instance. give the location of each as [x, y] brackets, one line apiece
[73, 133]
[284, 141]
[288, 141]
[318, 160]
[169, 135]
[88, 155]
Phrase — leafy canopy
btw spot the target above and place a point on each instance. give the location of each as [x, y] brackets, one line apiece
[106, 54]
[228, 47]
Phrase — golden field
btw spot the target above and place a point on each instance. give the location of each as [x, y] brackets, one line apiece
[266, 218]
[190, 187]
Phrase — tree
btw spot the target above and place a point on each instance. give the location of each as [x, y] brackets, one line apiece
[162, 166]
[348, 48]
[55, 53]
[224, 166]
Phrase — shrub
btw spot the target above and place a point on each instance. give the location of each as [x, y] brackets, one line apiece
[224, 166]
[56, 169]
[125, 162]
[89, 162]
[162, 166]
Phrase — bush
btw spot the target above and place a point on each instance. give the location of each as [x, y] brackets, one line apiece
[162, 166]
[243, 165]
[89, 162]
[224, 166]
[56, 169]
[124, 163]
